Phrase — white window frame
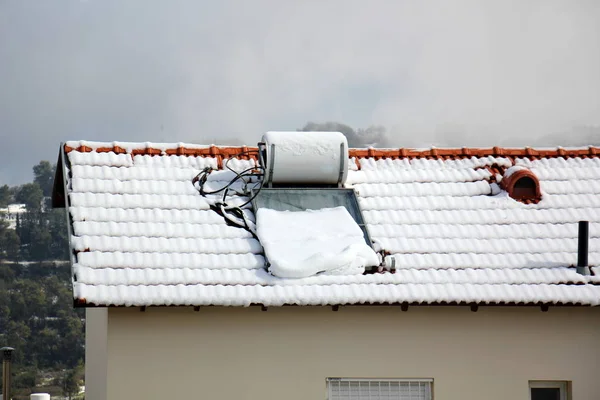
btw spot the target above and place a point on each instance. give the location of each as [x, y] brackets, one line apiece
[400, 380]
[560, 385]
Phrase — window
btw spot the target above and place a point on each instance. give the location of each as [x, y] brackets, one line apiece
[546, 390]
[375, 389]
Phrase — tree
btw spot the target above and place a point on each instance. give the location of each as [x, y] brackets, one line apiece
[374, 136]
[44, 176]
[57, 226]
[9, 242]
[31, 195]
[71, 380]
[10, 245]
[6, 277]
[5, 196]
[17, 334]
[41, 242]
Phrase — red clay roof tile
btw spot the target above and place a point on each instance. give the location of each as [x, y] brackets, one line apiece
[226, 152]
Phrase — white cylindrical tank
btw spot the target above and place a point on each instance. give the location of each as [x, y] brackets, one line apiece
[39, 396]
[305, 158]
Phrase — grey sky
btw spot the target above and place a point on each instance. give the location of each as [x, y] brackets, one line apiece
[444, 73]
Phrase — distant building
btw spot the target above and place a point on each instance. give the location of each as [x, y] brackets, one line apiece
[10, 213]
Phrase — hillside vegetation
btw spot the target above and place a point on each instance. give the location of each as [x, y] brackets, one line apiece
[37, 317]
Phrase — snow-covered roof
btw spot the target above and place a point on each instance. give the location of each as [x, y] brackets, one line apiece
[142, 235]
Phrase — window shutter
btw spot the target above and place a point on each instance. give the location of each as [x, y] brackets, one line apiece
[372, 389]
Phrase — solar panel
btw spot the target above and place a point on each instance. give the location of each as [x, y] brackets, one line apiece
[301, 199]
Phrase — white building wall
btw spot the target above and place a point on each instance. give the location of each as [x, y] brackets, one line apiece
[287, 353]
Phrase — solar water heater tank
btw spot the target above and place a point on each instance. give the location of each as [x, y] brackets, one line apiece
[304, 158]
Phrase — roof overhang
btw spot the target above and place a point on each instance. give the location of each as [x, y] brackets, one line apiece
[59, 192]
[81, 303]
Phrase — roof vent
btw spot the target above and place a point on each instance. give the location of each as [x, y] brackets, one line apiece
[304, 158]
[582, 248]
[521, 184]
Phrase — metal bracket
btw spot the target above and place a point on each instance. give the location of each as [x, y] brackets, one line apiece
[271, 161]
[341, 174]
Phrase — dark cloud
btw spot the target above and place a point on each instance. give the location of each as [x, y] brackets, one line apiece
[444, 73]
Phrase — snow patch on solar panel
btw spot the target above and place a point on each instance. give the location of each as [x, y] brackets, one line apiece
[299, 244]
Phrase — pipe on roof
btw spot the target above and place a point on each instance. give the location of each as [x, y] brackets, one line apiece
[582, 248]
[6, 374]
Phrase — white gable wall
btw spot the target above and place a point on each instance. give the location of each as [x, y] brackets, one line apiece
[287, 353]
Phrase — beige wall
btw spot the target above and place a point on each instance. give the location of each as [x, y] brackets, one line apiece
[96, 354]
[287, 353]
